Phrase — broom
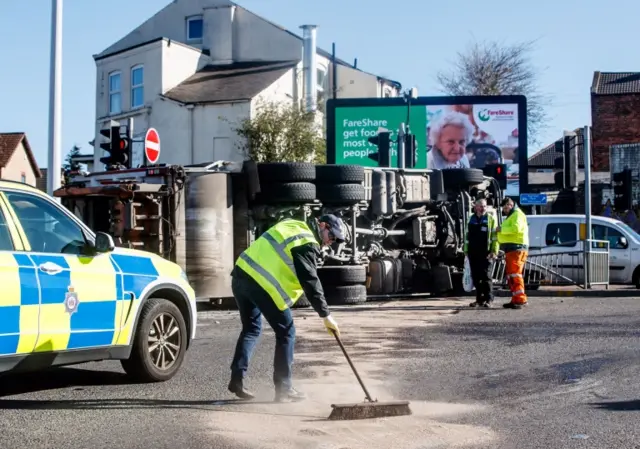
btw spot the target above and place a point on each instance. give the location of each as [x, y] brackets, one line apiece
[370, 408]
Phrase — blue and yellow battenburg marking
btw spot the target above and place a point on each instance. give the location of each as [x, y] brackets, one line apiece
[88, 302]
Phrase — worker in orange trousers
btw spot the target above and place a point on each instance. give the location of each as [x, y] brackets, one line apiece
[513, 237]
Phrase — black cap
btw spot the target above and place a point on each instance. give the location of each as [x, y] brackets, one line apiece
[335, 225]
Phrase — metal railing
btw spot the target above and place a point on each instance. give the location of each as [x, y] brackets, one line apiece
[561, 265]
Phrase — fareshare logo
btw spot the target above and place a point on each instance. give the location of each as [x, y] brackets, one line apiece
[484, 115]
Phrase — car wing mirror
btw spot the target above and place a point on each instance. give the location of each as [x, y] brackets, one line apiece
[104, 243]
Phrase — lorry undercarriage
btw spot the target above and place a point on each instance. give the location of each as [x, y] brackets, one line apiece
[404, 227]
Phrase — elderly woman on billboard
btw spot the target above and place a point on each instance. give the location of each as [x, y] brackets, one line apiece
[449, 137]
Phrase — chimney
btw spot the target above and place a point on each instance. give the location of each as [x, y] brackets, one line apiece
[218, 33]
[309, 67]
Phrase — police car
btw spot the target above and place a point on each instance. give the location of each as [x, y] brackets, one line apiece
[68, 295]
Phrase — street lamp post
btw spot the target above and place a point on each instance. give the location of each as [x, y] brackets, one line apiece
[55, 99]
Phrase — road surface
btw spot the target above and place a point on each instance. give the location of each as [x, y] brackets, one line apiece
[561, 374]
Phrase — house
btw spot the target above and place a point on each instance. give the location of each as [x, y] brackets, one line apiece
[615, 113]
[197, 68]
[17, 162]
[41, 183]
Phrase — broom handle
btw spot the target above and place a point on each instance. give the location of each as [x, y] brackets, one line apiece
[355, 371]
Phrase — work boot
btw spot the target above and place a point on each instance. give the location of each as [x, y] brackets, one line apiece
[239, 390]
[474, 304]
[511, 305]
[486, 305]
[290, 395]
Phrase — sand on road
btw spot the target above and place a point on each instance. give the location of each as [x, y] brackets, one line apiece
[373, 339]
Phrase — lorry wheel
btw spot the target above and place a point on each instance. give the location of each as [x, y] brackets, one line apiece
[341, 193]
[301, 303]
[339, 174]
[346, 295]
[159, 342]
[461, 177]
[290, 192]
[287, 171]
[342, 275]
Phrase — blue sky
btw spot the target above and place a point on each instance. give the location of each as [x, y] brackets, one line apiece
[410, 46]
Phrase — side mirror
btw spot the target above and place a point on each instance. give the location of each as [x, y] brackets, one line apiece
[622, 242]
[104, 243]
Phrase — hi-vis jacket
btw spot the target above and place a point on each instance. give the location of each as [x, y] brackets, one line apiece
[283, 262]
[514, 233]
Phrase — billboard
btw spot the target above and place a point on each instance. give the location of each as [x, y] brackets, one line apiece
[451, 132]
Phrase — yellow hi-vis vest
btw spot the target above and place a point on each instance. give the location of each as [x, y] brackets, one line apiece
[268, 261]
[515, 229]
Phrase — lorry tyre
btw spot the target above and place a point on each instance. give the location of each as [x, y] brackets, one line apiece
[290, 192]
[159, 343]
[339, 174]
[461, 177]
[346, 295]
[341, 193]
[342, 275]
[286, 172]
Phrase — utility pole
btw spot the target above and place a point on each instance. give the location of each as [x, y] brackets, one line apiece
[586, 139]
[55, 99]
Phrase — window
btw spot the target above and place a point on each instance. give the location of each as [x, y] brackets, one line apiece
[600, 232]
[48, 229]
[195, 28]
[137, 86]
[115, 103]
[23, 178]
[561, 234]
[6, 243]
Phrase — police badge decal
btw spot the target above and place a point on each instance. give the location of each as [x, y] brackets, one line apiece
[71, 301]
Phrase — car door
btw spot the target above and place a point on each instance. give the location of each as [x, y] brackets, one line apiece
[19, 302]
[619, 251]
[79, 293]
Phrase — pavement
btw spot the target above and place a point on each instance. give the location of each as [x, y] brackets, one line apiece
[560, 373]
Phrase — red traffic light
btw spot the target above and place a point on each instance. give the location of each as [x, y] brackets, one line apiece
[498, 170]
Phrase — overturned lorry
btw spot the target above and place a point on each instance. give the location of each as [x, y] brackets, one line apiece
[404, 227]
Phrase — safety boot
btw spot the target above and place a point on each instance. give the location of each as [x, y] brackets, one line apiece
[237, 388]
[511, 305]
[289, 395]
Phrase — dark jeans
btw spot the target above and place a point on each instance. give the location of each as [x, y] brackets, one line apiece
[481, 277]
[253, 302]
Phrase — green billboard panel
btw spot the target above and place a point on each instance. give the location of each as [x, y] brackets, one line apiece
[354, 127]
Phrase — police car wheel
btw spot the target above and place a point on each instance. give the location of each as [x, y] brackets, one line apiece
[159, 343]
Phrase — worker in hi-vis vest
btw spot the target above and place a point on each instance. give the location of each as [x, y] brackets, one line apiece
[481, 248]
[513, 237]
[268, 278]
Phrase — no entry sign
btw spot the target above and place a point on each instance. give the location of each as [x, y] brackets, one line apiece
[152, 145]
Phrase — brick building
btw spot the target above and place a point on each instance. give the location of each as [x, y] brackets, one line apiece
[615, 113]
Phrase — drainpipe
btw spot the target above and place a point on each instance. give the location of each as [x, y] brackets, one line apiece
[192, 150]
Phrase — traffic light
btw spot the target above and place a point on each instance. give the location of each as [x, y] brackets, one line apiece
[383, 141]
[497, 172]
[622, 189]
[567, 177]
[410, 150]
[118, 146]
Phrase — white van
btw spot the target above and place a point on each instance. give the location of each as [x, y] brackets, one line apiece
[555, 233]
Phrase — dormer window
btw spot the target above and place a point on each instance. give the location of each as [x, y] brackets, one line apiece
[195, 28]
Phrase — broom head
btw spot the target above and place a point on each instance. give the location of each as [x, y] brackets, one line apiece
[368, 410]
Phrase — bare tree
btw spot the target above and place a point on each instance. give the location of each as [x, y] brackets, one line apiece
[493, 68]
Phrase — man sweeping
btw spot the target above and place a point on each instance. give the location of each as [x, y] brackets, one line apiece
[268, 278]
[513, 237]
[481, 247]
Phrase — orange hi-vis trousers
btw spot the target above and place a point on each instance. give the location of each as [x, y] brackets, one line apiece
[515, 261]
